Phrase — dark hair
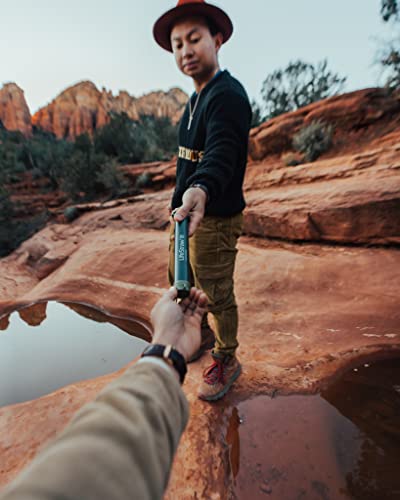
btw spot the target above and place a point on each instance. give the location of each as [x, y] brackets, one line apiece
[212, 26]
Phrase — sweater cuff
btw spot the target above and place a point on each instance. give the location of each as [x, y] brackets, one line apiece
[203, 187]
[159, 362]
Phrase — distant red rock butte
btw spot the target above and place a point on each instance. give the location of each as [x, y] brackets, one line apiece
[83, 108]
[14, 112]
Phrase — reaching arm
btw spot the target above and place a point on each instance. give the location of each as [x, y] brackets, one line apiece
[120, 446]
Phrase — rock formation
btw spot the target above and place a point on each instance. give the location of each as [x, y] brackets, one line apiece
[14, 111]
[83, 108]
[317, 281]
[357, 117]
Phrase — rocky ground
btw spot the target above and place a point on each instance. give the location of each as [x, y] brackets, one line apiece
[317, 281]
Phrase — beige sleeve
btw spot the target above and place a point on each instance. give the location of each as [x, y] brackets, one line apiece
[120, 446]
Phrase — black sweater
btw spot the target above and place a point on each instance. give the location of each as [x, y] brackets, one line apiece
[214, 151]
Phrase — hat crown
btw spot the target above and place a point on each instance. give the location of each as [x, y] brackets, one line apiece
[184, 2]
[186, 8]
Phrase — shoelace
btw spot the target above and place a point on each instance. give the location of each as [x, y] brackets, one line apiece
[214, 373]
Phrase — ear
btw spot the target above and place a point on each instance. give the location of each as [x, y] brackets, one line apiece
[218, 39]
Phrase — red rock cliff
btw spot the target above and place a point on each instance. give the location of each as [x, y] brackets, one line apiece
[14, 112]
[83, 108]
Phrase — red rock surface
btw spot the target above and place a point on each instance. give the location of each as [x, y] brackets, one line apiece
[316, 297]
[83, 108]
[14, 111]
[352, 198]
[358, 118]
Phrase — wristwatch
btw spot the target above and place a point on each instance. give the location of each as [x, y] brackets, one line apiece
[170, 355]
[202, 187]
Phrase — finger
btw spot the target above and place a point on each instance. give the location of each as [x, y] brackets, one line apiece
[196, 302]
[198, 295]
[195, 220]
[182, 212]
[202, 302]
[185, 303]
[189, 304]
[170, 294]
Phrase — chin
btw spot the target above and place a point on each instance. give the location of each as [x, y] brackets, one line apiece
[192, 74]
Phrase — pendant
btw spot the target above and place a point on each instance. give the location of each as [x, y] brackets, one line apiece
[190, 122]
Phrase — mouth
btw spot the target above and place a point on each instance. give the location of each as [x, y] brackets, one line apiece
[190, 65]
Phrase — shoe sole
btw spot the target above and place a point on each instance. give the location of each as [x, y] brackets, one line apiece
[222, 393]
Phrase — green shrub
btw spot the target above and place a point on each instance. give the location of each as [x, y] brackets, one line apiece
[389, 52]
[313, 140]
[110, 178]
[122, 138]
[6, 223]
[12, 232]
[143, 180]
[297, 85]
[135, 141]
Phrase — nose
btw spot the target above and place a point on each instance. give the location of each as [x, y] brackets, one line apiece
[187, 51]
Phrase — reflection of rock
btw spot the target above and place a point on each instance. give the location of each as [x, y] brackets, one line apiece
[288, 449]
[368, 398]
[4, 322]
[135, 327]
[33, 315]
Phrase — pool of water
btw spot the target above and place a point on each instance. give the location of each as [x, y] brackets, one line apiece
[341, 444]
[49, 345]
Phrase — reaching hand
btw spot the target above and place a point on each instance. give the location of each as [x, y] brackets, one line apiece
[193, 204]
[179, 324]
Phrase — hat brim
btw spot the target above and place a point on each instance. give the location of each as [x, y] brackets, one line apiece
[162, 27]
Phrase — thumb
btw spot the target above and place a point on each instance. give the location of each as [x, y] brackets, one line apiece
[182, 212]
[170, 294]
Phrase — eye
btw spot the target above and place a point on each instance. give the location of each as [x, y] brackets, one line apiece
[195, 40]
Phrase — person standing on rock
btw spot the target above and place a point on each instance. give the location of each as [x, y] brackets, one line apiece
[212, 156]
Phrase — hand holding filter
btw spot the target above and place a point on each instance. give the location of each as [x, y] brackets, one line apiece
[182, 274]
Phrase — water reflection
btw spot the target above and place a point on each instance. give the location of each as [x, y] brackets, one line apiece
[368, 397]
[48, 345]
[344, 443]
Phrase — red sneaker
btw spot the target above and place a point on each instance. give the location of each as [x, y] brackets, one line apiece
[218, 378]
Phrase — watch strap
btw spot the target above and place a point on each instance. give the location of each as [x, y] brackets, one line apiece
[170, 355]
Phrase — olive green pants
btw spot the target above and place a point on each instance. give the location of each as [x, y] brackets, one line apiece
[212, 254]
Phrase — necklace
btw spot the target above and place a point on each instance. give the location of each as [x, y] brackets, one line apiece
[191, 112]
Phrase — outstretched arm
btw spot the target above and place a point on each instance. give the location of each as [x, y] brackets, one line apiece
[121, 446]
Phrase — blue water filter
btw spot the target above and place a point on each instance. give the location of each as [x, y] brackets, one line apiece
[182, 273]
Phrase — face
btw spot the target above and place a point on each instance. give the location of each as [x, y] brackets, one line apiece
[195, 49]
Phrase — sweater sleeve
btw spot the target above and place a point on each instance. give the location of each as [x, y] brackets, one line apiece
[228, 118]
[120, 446]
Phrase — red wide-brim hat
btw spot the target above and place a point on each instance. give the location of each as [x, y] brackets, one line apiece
[163, 26]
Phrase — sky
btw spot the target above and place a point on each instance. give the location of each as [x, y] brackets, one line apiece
[48, 45]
